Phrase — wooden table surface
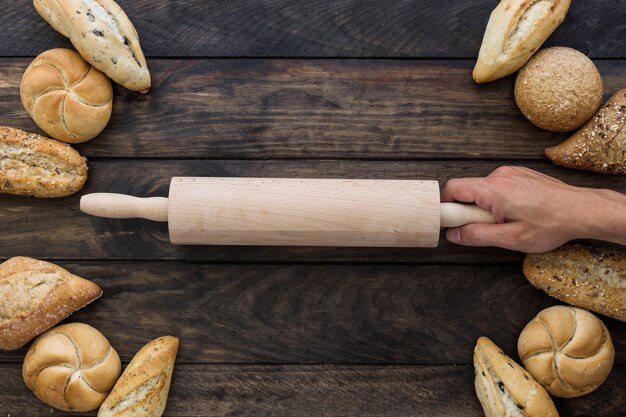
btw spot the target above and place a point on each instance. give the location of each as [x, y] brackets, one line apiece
[301, 88]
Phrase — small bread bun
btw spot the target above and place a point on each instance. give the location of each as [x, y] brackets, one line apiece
[67, 98]
[559, 89]
[568, 350]
[71, 367]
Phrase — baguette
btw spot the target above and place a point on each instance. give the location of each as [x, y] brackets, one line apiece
[504, 388]
[591, 278]
[516, 29]
[35, 295]
[32, 165]
[103, 35]
[600, 146]
[142, 389]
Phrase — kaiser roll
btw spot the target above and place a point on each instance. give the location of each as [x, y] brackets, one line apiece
[68, 98]
[559, 89]
[568, 350]
[71, 367]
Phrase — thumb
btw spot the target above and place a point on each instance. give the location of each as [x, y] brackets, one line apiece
[482, 234]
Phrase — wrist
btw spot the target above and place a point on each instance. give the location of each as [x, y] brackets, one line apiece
[602, 215]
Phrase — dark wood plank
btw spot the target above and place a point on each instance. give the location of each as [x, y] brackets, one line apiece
[31, 225]
[324, 390]
[368, 314]
[324, 28]
[311, 109]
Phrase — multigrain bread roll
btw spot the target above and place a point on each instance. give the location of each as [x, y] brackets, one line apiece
[35, 295]
[68, 99]
[504, 388]
[103, 35]
[600, 146]
[71, 367]
[591, 278]
[559, 89]
[32, 165]
[142, 389]
[516, 29]
[568, 350]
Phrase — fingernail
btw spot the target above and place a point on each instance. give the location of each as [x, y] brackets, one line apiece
[454, 235]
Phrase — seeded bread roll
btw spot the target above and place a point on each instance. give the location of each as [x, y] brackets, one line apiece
[142, 389]
[591, 278]
[559, 89]
[67, 98]
[103, 35]
[40, 167]
[568, 350]
[600, 146]
[71, 367]
[504, 388]
[35, 295]
[516, 29]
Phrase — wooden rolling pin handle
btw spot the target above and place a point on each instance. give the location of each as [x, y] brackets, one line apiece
[120, 206]
[456, 214]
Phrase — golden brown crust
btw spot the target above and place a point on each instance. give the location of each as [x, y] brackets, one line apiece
[600, 146]
[516, 29]
[71, 367]
[591, 278]
[39, 167]
[35, 295]
[559, 89]
[142, 389]
[506, 389]
[67, 98]
[568, 350]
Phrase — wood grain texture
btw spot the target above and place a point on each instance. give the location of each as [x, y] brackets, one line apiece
[28, 232]
[259, 109]
[324, 390]
[324, 28]
[359, 314]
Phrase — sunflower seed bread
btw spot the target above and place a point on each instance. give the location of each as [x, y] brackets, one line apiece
[590, 278]
[600, 146]
[32, 165]
[35, 295]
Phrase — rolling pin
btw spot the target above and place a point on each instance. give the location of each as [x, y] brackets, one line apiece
[295, 212]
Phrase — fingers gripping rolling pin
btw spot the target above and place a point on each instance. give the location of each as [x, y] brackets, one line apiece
[295, 212]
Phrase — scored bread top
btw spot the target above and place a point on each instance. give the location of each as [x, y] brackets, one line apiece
[38, 166]
[35, 295]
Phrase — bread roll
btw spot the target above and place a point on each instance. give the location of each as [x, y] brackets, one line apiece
[103, 35]
[34, 296]
[67, 98]
[591, 278]
[568, 350]
[504, 388]
[516, 29]
[36, 166]
[71, 367]
[600, 146]
[559, 89]
[143, 387]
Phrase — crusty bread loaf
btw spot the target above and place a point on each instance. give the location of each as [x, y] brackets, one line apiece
[559, 89]
[142, 389]
[35, 295]
[103, 35]
[516, 29]
[36, 166]
[67, 98]
[591, 278]
[504, 388]
[71, 367]
[600, 146]
[568, 350]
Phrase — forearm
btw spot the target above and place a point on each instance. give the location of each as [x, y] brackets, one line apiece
[604, 217]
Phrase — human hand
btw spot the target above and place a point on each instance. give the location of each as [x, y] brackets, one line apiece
[534, 212]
